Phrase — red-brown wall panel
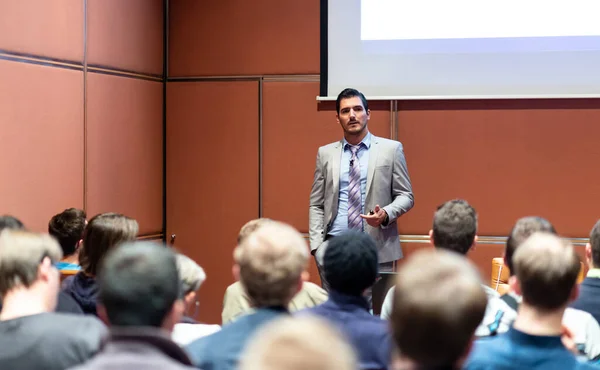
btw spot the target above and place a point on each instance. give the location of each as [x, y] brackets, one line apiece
[212, 176]
[240, 37]
[41, 121]
[50, 28]
[294, 127]
[126, 34]
[508, 159]
[125, 149]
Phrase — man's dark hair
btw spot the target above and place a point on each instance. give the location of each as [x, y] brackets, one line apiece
[350, 93]
[350, 263]
[138, 284]
[455, 226]
[11, 223]
[595, 243]
[522, 230]
[67, 227]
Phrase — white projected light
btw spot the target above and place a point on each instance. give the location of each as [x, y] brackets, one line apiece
[439, 19]
[453, 49]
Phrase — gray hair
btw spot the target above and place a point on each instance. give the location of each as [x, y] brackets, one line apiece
[191, 275]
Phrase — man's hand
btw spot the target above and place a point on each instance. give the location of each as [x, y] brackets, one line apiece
[376, 217]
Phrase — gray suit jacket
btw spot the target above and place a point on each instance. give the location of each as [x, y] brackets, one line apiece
[388, 185]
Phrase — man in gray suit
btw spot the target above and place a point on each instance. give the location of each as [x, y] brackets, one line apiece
[361, 182]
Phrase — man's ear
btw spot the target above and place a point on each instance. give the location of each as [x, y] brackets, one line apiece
[474, 243]
[431, 241]
[305, 276]
[174, 316]
[235, 270]
[45, 269]
[101, 310]
[79, 243]
[515, 285]
[588, 253]
[574, 293]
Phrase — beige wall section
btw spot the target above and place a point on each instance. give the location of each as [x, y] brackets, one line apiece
[125, 149]
[212, 174]
[41, 134]
[126, 34]
[241, 37]
[509, 159]
[294, 127]
[50, 28]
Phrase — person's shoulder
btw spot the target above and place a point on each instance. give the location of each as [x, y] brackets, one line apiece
[575, 315]
[386, 142]
[330, 146]
[315, 291]
[587, 366]
[82, 325]
[234, 288]
[483, 354]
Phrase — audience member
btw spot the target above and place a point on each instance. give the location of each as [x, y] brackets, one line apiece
[269, 262]
[300, 343]
[191, 277]
[11, 223]
[31, 335]
[582, 325]
[64, 303]
[140, 297]
[439, 303]
[236, 302]
[589, 290]
[350, 267]
[103, 232]
[67, 227]
[546, 269]
[455, 229]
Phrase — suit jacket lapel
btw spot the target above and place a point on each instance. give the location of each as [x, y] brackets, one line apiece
[373, 152]
[335, 175]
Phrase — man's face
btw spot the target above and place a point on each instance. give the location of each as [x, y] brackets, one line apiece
[353, 116]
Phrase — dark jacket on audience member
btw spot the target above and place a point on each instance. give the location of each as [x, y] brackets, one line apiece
[138, 348]
[64, 304]
[49, 341]
[368, 334]
[84, 290]
[518, 350]
[589, 297]
[222, 350]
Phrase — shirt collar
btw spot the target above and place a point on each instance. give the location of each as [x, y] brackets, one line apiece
[348, 300]
[593, 273]
[366, 142]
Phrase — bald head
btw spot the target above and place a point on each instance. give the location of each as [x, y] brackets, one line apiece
[546, 268]
[271, 261]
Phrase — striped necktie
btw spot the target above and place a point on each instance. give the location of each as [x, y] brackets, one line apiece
[354, 194]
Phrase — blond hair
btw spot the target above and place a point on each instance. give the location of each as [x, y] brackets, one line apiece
[250, 227]
[438, 304]
[298, 343]
[271, 261]
[21, 253]
[546, 267]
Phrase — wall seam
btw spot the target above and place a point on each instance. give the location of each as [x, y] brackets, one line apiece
[85, 118]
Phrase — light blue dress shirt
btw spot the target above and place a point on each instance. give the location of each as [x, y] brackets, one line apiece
[340, 224]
